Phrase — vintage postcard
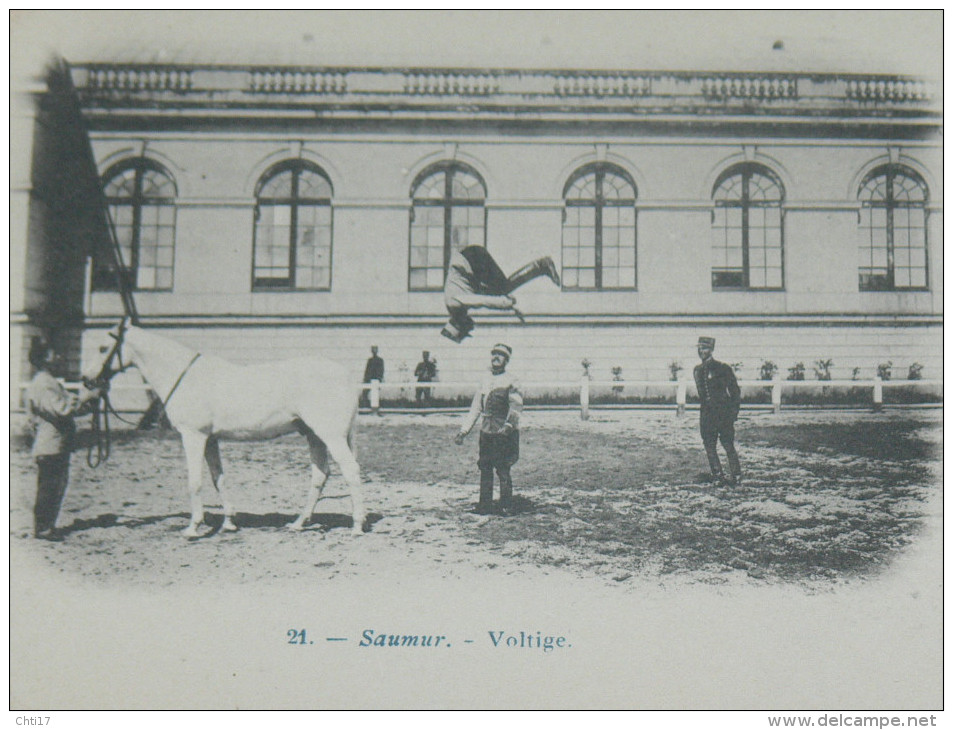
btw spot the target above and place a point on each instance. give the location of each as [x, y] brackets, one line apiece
[494, 360]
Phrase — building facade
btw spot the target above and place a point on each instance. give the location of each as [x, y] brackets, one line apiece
[265, 212]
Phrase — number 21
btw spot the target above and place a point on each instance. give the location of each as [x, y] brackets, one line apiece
[297, 636]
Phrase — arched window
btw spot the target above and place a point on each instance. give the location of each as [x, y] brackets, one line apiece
[140, 196]
[293, 217]
[893, 246]
[599, 229]
[746, 229]
[447, 214]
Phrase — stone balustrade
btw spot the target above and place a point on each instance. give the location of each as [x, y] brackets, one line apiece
[535, 86]
[602, 85]
[749, 87]
[125, 78]
[296, 81]
[476, 84]
[887, 90]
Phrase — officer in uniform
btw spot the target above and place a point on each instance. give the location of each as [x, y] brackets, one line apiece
[52, 409]
[500, 402]
[425, 372]
[373, 370]
[720, 399]
[474, 279]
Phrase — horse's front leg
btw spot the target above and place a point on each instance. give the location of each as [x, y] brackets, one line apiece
[194, 444]
[214, 461]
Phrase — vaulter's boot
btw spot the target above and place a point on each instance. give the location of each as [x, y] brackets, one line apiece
[532, 270]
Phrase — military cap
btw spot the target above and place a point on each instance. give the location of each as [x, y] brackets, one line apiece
[706, 342]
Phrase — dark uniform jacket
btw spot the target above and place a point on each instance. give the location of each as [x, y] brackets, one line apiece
[717, 387]
[426, 371]
[374, 369]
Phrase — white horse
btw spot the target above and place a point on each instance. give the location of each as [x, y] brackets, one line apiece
[207, 399]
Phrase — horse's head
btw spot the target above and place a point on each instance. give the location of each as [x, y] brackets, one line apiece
[110, 358]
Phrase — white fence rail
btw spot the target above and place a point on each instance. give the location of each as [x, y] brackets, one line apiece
[585, 387]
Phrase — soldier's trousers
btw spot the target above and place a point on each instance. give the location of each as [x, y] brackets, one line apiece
[486, 486]
[719, 425]
[52, 478]
[490, 277]
[498, 451]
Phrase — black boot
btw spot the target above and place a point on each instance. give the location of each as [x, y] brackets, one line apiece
[734, 467]
[506, 491]
[714, 463]
[537, 268]
[485, 505]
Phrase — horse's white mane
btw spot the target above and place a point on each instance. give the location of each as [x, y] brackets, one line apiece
[151, 344]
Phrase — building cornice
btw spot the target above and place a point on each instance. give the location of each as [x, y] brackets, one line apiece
[224, 92]
[179, 321]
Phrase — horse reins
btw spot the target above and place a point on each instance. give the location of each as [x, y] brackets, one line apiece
[179, 380]
[98, 451]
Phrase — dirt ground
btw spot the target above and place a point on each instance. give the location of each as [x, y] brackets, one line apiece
[827, 496]
[814, 585]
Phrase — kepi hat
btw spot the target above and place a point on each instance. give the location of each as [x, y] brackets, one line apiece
[706, 342]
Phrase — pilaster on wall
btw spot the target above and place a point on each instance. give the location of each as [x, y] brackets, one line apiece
[23, 117]
[56, 218]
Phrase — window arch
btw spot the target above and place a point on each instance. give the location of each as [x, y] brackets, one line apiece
[893, 246]
[599, 229]
[293, 227]
[448, 213]
[747, 241]
[140, 196]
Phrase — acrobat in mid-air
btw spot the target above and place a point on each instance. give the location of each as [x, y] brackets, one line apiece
[475, 280]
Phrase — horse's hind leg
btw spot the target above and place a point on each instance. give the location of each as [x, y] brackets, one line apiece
[352, 473]
[194, 444]
[320, 469]
[214, 461]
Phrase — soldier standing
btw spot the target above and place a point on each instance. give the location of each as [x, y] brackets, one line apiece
[500, 402]
[720, 400]
[373, 370]
[425, 372]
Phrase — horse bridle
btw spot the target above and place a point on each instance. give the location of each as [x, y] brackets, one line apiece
[107, 372]
[101, 443]
[98, 450]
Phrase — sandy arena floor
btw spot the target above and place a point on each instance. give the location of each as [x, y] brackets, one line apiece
[818, 580]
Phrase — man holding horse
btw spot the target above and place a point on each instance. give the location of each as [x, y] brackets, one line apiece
[52, 409]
